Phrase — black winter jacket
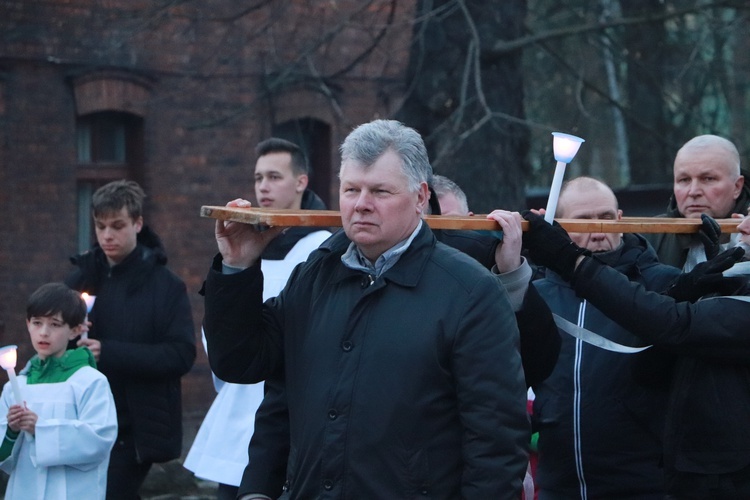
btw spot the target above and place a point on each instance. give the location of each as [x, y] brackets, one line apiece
[707, 429]
[395, 389]
[540, 345]
[540, 342]
[599, 423]
[142, 317]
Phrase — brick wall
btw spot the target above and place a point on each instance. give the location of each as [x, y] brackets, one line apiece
[208, 103]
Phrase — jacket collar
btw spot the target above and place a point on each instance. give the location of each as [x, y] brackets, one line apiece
[406, 272]
[630, 258]
[138, 266]
[53, 370]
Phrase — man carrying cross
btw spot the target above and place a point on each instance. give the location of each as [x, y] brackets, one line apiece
[702, 322]
[395, 387]
[599, 415]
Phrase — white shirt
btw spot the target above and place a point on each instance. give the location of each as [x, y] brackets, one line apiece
[219, 452]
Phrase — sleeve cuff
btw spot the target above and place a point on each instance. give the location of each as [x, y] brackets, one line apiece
[516, 282]
[227, 269]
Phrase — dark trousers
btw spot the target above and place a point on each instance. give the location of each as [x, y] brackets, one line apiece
[125, 474]
[227, 492]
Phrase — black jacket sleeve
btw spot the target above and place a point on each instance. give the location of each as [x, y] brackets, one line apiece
[540, 338]
[710, 328]
[241, 346]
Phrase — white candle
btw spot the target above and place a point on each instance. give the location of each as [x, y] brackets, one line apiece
[8, 358]
[565, 147]
[554, 192]
[14, 385]
[89, 300]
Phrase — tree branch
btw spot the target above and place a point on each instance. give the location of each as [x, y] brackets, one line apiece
[503, 47]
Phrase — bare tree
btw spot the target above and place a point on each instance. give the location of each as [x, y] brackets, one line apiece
[487, 80]
[468, 102]
[677, 72]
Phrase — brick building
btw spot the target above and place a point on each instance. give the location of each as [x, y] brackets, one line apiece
[174, 95]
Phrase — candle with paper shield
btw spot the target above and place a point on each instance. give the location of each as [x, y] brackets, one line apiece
[565, 147]
[89, 300]
[8, 357]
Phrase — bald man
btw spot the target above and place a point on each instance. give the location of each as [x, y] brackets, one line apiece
[706, 436]
[600, 413]
[707, 180]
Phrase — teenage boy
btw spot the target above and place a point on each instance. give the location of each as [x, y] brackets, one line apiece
[142, 334]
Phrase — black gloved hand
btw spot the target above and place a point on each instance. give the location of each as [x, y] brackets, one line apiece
[706, 278]
[709, 234]
[550, 246]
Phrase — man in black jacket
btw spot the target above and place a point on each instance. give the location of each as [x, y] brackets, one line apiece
[142, 334]
[265, 474]
[394, 388]
[599, 424]
[704, 322]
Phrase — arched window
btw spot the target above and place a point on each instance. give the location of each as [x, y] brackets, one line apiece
[110, 111]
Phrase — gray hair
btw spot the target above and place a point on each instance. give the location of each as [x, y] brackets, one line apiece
[368, 142]
[443, 185]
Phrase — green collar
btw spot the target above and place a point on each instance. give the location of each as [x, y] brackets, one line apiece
[53, 370]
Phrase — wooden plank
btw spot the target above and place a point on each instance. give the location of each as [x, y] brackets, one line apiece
[332, 218]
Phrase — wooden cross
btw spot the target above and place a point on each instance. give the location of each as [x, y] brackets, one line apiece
[332, 218]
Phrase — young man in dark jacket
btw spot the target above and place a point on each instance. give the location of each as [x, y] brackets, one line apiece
[703, 322]
[220, 450]
[142, 334]
[394, 388]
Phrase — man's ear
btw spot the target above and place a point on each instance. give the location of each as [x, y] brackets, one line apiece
[738, 186]
[619, 214]
[302, 181]
[138, 223]
[423, 197]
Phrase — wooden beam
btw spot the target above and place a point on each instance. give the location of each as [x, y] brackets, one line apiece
[332, 218]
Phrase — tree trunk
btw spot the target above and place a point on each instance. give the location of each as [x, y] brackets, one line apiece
[465, 104]
[645, 45]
